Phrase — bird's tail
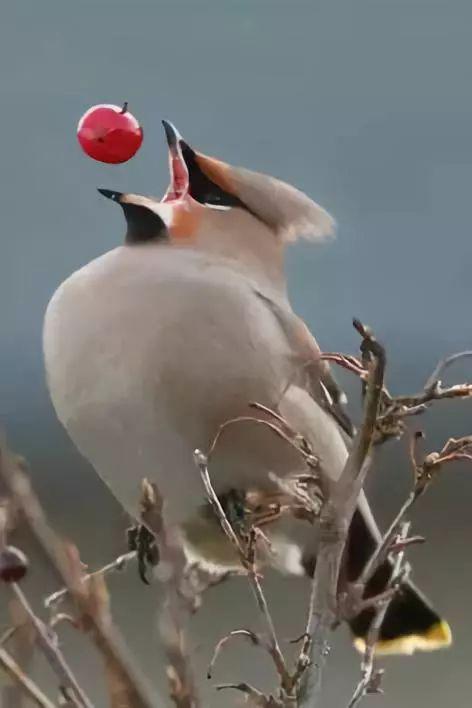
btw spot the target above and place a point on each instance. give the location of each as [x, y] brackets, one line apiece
[410, 624]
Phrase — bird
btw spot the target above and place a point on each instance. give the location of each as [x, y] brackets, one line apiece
[151, 347]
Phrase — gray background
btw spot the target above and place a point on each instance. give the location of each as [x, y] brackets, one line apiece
[365, 105]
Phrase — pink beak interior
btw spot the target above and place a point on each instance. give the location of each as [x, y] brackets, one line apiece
[179, 177]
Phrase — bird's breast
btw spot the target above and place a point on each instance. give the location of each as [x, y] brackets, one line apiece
[147, 353]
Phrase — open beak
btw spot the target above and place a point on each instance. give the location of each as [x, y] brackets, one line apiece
[111, 194]
[179, 175]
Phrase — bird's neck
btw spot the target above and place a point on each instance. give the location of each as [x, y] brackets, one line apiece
[253, 246]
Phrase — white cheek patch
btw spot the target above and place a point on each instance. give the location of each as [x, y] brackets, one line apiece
[164, 211]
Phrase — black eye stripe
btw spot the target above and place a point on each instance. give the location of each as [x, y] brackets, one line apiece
[202, 189]
[143, 224]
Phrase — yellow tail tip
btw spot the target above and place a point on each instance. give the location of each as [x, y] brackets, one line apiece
[438, 636]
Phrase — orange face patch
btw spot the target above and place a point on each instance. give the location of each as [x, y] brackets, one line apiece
[186, 217]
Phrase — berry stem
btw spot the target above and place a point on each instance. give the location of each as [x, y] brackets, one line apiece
[125, 107]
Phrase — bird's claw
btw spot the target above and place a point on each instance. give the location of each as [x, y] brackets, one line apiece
[141, 540]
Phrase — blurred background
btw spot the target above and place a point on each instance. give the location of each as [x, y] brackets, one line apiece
[367, 107]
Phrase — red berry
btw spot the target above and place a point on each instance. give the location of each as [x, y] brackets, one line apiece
[13, 564]
[109, 133]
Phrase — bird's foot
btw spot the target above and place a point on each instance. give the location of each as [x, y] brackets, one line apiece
[141, 540]
[234, 506]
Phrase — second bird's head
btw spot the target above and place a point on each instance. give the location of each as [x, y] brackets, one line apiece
[206, 195]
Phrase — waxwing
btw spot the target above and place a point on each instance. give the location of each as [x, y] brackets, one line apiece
[151, 347]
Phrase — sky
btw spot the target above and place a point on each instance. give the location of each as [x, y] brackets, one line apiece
[367, 107]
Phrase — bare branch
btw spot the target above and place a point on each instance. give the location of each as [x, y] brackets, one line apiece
[346, 361]
[24, 683]
[46, 640]
[284, 431]
[22, 639]
[106, 637]
[179, 598]
[385, 545]
[444, 364]
[126, 689]
[254, 638]
[7, 635]
[50, 648]
[395, 408]
[117, 565]
[336, 516]
[370, 680]
[248, 563]
[256, 698]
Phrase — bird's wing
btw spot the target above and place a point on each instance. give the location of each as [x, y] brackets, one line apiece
[320, 381]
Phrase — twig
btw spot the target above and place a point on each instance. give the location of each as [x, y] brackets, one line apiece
[117, 565]
[453, 450]
[285, 432]
[8, 634]
[201, 461]
[395, 408]
[385, 545]
[126, 688]
[426, 397]
[25, 684]
[370, 679]
[179, 598]
[22, 639]
[106, 637]
[258, 641]
[49, 646]
[346, 361]
[254, 638]
[336, 516]
[45, 639]
[202, 464]
[444, 364]
[255, 697]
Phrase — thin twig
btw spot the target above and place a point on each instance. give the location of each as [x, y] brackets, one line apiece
[202, 464]
[179, 598]
[335, 519]
[444, 364]
[45, 639]
[453, 450]
[285, 432]
[8, 634]
[24, 682]
[201, 461]
[106, 637]
[254, 638]
[22, 641]
[50, 648]
[255, 697]
[370, 679]
[346, 361]
[425, 397]
[396, 408]
[385, 545]
[126, 687]
[116, 565]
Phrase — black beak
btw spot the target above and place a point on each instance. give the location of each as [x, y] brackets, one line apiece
[172, 136]
[110, 194]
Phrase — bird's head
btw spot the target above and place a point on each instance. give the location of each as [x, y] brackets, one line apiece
[216, 207]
